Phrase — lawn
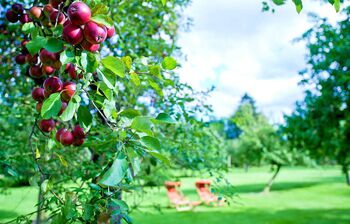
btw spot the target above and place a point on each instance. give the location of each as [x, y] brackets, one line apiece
[300, 195]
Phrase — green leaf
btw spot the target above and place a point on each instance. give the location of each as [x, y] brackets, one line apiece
[169, 63]
[57, 31]
[109, 109]
[127, 218]
[142, 124]
[135, 78]
[154, 70]
[54, 45]
[51, 106]
[127, 61]
[95, 186]
[129, 113]
[115, 173]
[67, 56]
[100, 8]
[69, 210]
[88, 61]
[279, 2]
[72, 107]
[62, 160]
[103, 19]
[84, 117]
[88, 212]
[160, 156]
[298, 5]
[337, 5]
[28, 27]
[37, 153]
[46, 185]
[164, 117]
[36, 44]
[163, 2]
[123, 206]
[106, 77]
[115, 65]
[105, 90]
[156, 87]
[151, 143]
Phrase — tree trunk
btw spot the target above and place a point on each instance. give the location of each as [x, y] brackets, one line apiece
[39, 209]
[269, 184]
[345, 169]
[229, 163]
[246, 166]
[117, 217]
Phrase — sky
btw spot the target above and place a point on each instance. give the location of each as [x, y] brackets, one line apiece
[237, 48]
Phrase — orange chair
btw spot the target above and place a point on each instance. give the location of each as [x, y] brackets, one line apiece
[177, 199]
[203, 190]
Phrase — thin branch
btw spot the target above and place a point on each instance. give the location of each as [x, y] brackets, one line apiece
[99, 111]
[58, 197]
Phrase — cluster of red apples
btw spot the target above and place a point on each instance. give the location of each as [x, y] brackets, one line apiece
[78, 30]
[52, 85]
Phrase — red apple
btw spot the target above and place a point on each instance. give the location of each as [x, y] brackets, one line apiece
[78, 141]
[78, 132]
[35, 12]
[20, 59]
[63, 107]
[24, 42]
[11, 16]
[56, 15]
[64, 136]
[79, 13]
[48, 58]
[53, 85]
[25, 19]
[17, 8]
[72, 34]
[48, 70]
[47, 94]
[110, 32]
[48, 9]
[70, 68]
[56, 3]
[32, 59]
[38, 106]
[95, 33]
[68, 91]
[47, 125]
[58, 134]
[89, 46]
[38, 94]
[35, 71]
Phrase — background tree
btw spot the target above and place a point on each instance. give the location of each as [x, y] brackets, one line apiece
[320, 124]
[259, 143]
[298, 4]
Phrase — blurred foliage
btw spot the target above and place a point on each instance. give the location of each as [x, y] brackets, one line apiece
[320, 123]
[266, 5]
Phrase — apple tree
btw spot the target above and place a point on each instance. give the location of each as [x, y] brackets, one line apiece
[96, 115]
[260, 143]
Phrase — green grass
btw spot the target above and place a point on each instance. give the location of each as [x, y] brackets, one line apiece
[300, 195]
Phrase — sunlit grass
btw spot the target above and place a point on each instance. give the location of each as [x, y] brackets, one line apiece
[300, 195]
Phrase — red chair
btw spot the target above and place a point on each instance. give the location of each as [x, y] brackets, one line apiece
[177, 199]
[204, 192]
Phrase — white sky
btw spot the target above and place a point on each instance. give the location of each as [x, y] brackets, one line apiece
[237, 48]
